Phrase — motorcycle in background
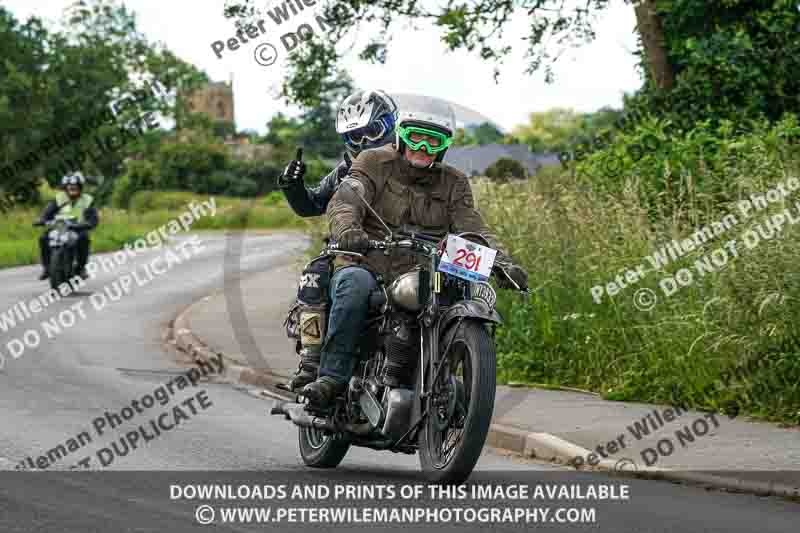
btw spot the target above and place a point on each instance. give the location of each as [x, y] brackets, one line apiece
[63, 242]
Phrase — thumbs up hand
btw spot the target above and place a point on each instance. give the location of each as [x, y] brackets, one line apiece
[294, 171]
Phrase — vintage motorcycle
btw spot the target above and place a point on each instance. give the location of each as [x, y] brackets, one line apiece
[63, 241]
[425, 380]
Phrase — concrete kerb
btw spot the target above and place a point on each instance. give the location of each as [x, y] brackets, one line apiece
[548, 447]
[542, 446]
[188, 343]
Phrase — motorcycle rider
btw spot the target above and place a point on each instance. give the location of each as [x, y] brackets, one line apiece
[410, 188]
[365, 119]
[71, 202]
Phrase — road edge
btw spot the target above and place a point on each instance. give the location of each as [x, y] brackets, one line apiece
[541, 446]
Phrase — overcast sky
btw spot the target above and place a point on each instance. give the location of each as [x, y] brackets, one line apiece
[587, 78]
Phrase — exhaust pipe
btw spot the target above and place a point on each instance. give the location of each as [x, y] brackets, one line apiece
[297, 413]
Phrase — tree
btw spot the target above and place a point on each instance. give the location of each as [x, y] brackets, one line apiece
[24, 102]
[551, 131]
[54, 86]
[654, 44]
[701, 59]
[487, 134]
[476, 26]
[463, 138]
[506, 168]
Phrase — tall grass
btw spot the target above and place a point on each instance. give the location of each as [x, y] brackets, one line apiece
[572, 238]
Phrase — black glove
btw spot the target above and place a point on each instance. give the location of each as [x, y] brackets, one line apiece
[354, 240]
[517, 274]
[294, 171]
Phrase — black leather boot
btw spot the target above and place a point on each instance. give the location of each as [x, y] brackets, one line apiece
[307, 371]
[322, 393]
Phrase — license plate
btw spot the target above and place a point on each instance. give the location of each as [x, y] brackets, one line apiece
[467, 260]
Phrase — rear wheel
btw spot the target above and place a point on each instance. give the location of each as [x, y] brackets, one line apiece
[321, 450]
[460, 407]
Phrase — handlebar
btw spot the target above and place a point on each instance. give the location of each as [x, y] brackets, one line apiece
[422, 243]
[70, 224]
[386, 245]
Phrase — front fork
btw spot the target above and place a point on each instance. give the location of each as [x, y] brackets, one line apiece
[429, 335]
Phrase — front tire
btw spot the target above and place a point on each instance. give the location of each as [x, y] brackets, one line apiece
[58, 274]
[460, 408]
[319, 450]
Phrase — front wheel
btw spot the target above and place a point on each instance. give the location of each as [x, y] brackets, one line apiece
[59, 267]
[460, 407]
[319, 450]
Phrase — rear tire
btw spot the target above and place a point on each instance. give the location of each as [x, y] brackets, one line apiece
[473, 353]
[319, 450]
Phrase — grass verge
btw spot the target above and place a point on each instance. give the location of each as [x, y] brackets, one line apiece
[725, 341]
[19, 240]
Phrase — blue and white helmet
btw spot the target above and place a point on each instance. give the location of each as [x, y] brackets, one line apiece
[366, 119]
[75, 178]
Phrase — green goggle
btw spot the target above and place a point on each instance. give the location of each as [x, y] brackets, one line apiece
[416, 138]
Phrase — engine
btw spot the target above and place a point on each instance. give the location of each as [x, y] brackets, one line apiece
[401, 352]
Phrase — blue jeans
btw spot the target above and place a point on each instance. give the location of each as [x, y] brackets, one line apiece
[350, 289]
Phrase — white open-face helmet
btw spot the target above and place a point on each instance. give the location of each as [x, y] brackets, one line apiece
[366, 119]
[431, 114]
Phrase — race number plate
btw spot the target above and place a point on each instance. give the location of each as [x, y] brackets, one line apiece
[466, 259]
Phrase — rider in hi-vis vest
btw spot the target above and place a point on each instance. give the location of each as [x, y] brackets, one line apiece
[75, 210]
[70, 203]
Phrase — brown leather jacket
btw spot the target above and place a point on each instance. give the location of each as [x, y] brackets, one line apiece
[436, 200]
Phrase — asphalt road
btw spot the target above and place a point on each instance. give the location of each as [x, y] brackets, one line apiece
[68, 390]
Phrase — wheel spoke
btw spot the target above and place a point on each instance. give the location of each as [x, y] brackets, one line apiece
[457, 375]
[446, 453]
